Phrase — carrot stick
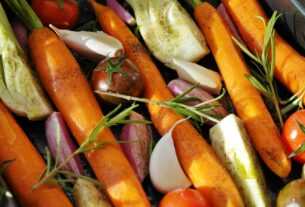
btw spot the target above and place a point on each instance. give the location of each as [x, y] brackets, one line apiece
[68, 88]
[289, 64]
[27, 166]
[246, 98]
[195, 155]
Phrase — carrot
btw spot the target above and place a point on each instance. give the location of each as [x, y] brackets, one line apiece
[68, 88]
[289, 64]
[195, 155]
[27, 166]
[246, 98]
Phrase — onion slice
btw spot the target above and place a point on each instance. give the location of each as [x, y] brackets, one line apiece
[221, 9]
[179, 86]
[138, 137]
[20, 32]
[121, 12]
[165, 171]
[56, 131]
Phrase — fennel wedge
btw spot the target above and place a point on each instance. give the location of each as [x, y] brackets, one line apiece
[19, 88]
[168, 30]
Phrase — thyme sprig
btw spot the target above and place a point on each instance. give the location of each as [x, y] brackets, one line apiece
[263, 77]
[198, 113]
[91, 143]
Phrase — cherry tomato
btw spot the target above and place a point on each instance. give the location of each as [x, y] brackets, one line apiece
[50, 12]
[293, 136]
[184, 198]
[118, 75]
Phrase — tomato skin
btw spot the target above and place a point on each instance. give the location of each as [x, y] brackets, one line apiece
[130, 84]
[49, 12]
[292, 135]
[184, 198]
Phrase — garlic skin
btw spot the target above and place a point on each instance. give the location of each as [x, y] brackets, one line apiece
[168, 30]
[92, 45]
[165, 171]
[208, 79]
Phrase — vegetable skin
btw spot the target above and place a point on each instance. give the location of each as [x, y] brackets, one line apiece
[27, 166]
[231, 143]
[247, 100]
[164, 25]
[19, 89]
[68, 88]
[289, 64]
[195, 155]
[86, 194]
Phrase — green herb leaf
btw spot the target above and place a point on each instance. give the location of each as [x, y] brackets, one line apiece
[263, 78]
[198, 114]
[60, 4]
[113, 67]
[2, 72]
[25, 13]
[91, 143]
[302, 147]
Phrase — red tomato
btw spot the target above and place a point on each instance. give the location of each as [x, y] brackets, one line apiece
[293, 136]
[49, 12]
[184, 198]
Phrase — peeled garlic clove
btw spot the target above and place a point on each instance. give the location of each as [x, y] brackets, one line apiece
[165, 171]
[93, 45]
[194, 73]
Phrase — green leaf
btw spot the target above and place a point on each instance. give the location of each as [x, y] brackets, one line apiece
[302, 147]
[2, 72]
[60, 4]
[113, 67]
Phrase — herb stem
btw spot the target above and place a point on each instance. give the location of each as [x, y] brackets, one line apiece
[54, 171]
[196, 112]
[276, 104]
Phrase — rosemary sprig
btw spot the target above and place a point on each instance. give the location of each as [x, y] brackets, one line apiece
[198, 113]
[293, 102]
[263, 78]
[91, 143]
[302, 147]
[113, 67]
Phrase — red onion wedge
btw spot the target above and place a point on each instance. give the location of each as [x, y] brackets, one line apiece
[178, 86]
[138, 137]
[20, 32]
[57, 130]
[121, 12]
[228, 20]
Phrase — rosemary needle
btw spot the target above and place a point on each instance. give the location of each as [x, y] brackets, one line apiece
[263, 77]
[91, 143]
[198, 114]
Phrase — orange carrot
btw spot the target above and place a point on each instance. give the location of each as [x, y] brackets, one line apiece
[68, 88]
[27, 166]
[246, 98]
[289, 64]
[195, 155]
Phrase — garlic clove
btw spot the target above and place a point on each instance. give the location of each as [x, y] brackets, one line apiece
[93, 45]
[165, 171]
[194, 73]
